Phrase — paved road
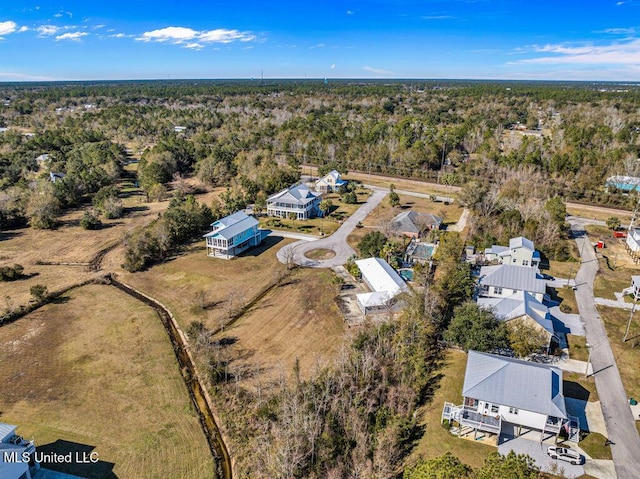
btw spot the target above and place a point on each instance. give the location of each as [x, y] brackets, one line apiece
[336, 242]
[615, 408]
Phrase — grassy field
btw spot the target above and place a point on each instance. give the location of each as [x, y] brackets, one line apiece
[196, 287]
[578, 347]
[401, 184]
[593, 445]
[436, 440]
[627, 354]
[598, 214]
[298, 320]
[97, 369]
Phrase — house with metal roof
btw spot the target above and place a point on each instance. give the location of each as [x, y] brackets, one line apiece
[330, 182]
[505, 394]
[17, 455]
[383, 281]
[520, 252]
[413, 224]
[503, 280]
[232, 235]
[521, 306]
[298, 200]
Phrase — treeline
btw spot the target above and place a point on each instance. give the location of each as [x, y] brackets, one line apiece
[183, 219]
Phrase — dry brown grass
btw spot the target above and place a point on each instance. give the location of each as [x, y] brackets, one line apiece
[627, 354]
[401, 184]
[98, 369]
[299, 319]
[192, 280]
[436, 440]
[598, 212]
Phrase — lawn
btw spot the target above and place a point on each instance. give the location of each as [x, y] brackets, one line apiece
[97, 369]
[593, 444]
[564, 269]
[196, 287]
[578, 347]
[598, 214]
[296, 321]
[401, 184]
[436, 440]
[627, 354]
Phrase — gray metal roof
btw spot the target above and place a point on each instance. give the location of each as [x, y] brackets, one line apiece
[6, 430]
[515, 383]
[496, 249]
[411, 221]
[232, 225]
[300, 194]
[521, 242]
[522, 278]
[517, 305]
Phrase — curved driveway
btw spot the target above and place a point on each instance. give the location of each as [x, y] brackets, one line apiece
[337, 242]
[620, 422]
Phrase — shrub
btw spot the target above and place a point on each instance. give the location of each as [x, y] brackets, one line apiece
[11, 273]
[90, 221]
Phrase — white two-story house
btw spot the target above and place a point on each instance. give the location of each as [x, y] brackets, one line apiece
[232, 235]
[504, 280]
[504, 395]
[298, 200]
[521, 252]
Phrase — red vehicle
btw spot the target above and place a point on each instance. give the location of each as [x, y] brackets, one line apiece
[619, 234]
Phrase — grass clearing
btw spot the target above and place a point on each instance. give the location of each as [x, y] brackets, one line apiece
[627, 354]
[97, 369]
[320, 253]
[598, 213]
[563, 269]
[593, 444]
[576, 386]
[196, 287]
[402, 184]
[296, 321]
[578, 347]
[437, 440]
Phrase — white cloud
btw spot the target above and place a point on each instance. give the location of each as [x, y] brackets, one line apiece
[7, 27]
[621, 53]
[118, 35]
[57, 15]
[333, 66]
[74, 36]
[194, 46]
[377, 70]
[47, 30]
[437, 17]
[179, 35]
[15, 76]
[23, 29]
[350, 12]
[620, 31]
[319, 45]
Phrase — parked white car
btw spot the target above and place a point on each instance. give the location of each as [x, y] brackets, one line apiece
[565, 454]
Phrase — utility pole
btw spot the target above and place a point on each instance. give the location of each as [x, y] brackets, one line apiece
[626, 333]
[586, 372]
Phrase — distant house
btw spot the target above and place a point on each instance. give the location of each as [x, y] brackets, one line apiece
[521, 252]
[383, 281]
[43, 157]
[419, 252]
[521, 306]
[503, 280]
[53, 176]
[232, 235]
[299, 200]
[506, 395]
[330, 182]
[633, 240]
[179, 129]
[414, 224]
[13, 452]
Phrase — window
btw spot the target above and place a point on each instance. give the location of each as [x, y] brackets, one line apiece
[513, 260]
[525, 262]
[497, 290]
[513, 410]
[494, 408]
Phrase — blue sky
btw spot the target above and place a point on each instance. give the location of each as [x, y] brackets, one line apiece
[486, 39]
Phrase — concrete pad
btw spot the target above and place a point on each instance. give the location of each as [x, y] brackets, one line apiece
[538, 451]
[572, 322]
[600, 468]
[596, 418]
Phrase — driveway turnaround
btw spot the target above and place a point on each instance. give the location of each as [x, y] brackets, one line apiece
[337, 242]
[620, 423]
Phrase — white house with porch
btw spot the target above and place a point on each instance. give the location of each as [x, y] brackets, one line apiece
[330, 182]
[299, 200]
[504, 280]
[506, 394]
[17, 455]
[521, 252]
[383, 281]
[232, 235]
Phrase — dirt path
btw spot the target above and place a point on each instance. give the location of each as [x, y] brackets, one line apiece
[192, 380]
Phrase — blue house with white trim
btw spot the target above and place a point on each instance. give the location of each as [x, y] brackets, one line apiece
[232, 235]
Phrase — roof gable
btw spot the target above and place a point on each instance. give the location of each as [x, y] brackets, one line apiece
[515, 383]
[521, 278]
[521, 242]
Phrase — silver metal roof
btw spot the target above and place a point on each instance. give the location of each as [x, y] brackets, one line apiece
[521, 278]
[517, 305]
[515, 383]
[6, 430]
[232, 225]
[300, 194]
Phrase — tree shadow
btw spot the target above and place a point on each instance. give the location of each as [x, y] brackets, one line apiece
[80, 463]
